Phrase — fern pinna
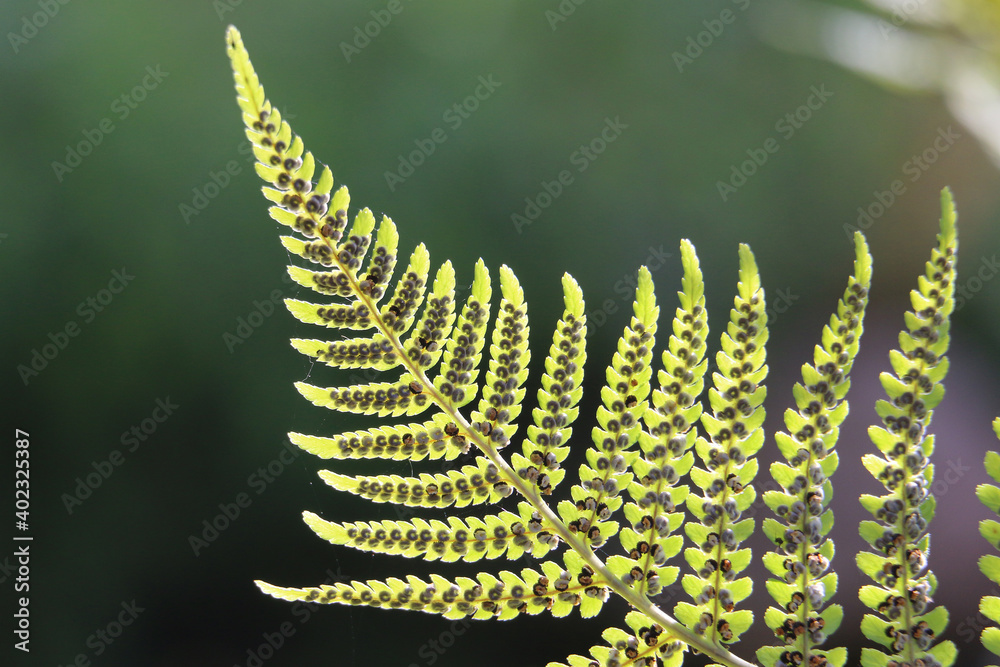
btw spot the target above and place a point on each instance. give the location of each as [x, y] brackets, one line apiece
[648, 471]
[903, 584]
[803, 553]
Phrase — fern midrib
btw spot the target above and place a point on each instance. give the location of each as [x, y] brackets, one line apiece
[720, 552]
[806, 606]
[904, 567]
[661, 486]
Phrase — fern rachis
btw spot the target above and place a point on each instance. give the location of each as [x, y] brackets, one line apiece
[649, 466]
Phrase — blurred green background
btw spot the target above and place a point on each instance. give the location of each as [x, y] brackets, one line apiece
[144, 88]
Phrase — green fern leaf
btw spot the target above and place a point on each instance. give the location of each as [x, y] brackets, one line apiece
[989, 564]
[645, 644]
[545, 447]
[803, 551]
[908, 627]
[606, 474]
[421, 352]
[666, 441]
[736, 435]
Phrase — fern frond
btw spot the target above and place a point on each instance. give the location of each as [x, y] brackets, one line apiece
[421, 356]
[989, 564]
[803, 552]
[904, 585]
[736, 432]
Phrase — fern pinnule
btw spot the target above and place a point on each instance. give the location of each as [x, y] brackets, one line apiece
[457, 385]
[904, 585]
[803, 552]
[645, 644]
[469, 485]
[736, 435]
[989, 564]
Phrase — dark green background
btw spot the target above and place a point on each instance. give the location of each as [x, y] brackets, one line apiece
[163, 335]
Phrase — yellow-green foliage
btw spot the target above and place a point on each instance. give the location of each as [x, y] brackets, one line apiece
[649, 469]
